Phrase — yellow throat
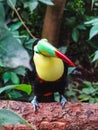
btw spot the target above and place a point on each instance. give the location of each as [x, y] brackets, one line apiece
[48, 68]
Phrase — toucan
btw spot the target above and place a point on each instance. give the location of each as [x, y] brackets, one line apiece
[49, 73]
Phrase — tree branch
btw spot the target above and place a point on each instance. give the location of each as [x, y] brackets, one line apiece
[51, 116]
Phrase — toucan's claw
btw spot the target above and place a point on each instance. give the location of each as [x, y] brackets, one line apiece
[35, 103]
[63, 101]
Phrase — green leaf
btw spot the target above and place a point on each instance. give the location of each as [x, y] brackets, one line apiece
[70, 69]
[14, 78]
[29, 43]
[92, 22]
[14, 95]
[20, 71]
[84, 97]
[56, 96]
[92, 100]
[1, 63]
[95, 56]
[31, 5]
[15, 26]
[95, 84]
[87, 84]
[93, 31]
[10, 117]
[6, 77]
[70, 93]
[96, 99]
[63, 49]
[81, 27]
[47, 2]
[75, 35]
[11, 76]
[2, 13]
[12, 53]
[71, 21]
[89, 90]
[23, 87]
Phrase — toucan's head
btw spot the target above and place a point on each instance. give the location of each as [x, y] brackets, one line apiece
[45, 48]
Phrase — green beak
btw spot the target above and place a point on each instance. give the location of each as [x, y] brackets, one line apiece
[45, 48]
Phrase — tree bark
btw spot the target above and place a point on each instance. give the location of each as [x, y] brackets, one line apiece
[51, 116]
[52, 21]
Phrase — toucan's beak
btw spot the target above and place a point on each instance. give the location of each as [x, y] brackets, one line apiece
[45, 48]
[63, 57]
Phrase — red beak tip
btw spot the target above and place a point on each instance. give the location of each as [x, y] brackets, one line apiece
[63, 57]
[72, 64]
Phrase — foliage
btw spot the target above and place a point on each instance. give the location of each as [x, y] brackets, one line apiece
[16, 46]
[89, 92]
[95, 56]
[79, 27]
[77, 14]
[10, 117]
[92, 34]
[76, 9]
[10, 48]
[94, 29]
[13, 57]
[23, 87]
[85, 92]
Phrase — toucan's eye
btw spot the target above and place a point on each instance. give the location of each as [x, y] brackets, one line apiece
[37, 52]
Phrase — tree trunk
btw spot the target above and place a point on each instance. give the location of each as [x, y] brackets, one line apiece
[52, 21]
[51, 116]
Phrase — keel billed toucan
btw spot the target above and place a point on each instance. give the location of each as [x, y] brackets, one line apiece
[49, 73]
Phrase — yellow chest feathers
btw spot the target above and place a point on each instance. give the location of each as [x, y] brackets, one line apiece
[48, 68]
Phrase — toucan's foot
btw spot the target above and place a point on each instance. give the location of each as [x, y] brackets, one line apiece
[63, 101]
[35, 103]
